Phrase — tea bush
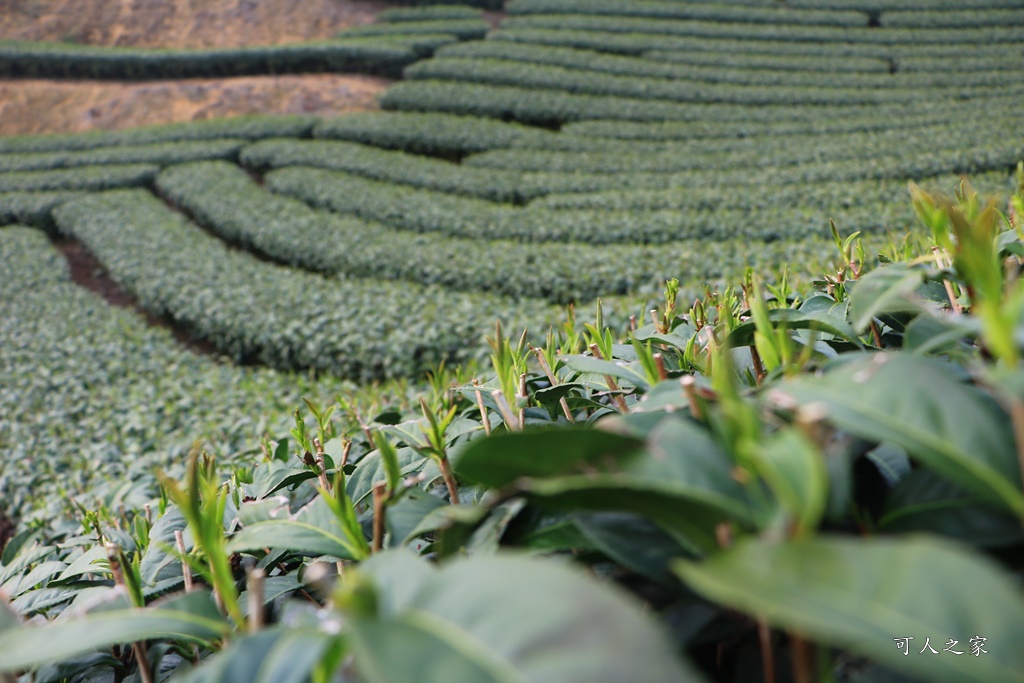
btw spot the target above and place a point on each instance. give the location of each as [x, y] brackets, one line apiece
[84, 178]
[753, 484]
[161, 154]
[255, 311]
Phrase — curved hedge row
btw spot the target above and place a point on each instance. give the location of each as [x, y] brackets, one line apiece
[462, 29]
[688, 74]
[949, 18]
[277, 316]
[668, 62]
[428, 13]
[33, 208]
[431, 134]
[579, 81]
[690, 11]
[224, 199]
[824, 196]
[893, 5]
[239, 127]
[87, 178]
[583, 155]
[639, 43]
[376, 56]
[161, 154]
[751, 31]
[425, 211]
[553, 108]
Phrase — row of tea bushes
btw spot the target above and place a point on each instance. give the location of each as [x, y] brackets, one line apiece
[84, 178]
[552, 108]
[426, 211]
[228, 202]
[462, 29]
[990, 143]
[876, 6]
[255, 311]
[952, 18]
[690, 11]
[791, 33]
[382, 56]
[161, 154]
[830, 123]
[515, 73]
[1008, 62]
[683, 74]
[33, 208]
[94, 400]
[639, 43]
[441, 135]
[240, 127]
[663, 62]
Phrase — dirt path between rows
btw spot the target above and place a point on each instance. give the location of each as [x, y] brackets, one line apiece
[38, 106]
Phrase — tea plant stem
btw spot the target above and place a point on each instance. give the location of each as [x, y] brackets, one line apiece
[449, 481]
[764, 636]
[554, 380]
[482, 407]
[256, 584]
[802, 666]
[523, 395]
[186, 571]
[612, 384]
[659, 363]
[378, 516]
[755, 357]
[321, 468]
[876, 334]
[690, 389]
[138, 648]
[505, 409]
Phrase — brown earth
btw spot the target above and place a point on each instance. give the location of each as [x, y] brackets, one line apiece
[37, 106]
[182, 23]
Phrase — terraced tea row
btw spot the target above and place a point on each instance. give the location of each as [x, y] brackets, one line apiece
[227, 201]
[259, 312]
[94, 401]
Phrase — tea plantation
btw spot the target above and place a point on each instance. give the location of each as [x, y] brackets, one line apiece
[268, 411]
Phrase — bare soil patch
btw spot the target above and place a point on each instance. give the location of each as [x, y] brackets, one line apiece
[37, 106]
[87, 272]
[182, 23]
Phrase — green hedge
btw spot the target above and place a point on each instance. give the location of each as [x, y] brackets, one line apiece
[553, 108]
[259, 312]
[89, 178]
[224, 199]
[378, 164]
[426, 211]
[161, 154]
[689, 11]
[751, 31]
[95, 401]
[602, 156]
[574, 80]
[437, 12]
[463, 29]
[384, 56]
[241, 127]
[1012, 64]
[893, 5]
[669, 62]
[639, 43]
[830, 123]
[953, 18]
[824, 196]
[699, 73]
[431, 134]
[33, 208]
